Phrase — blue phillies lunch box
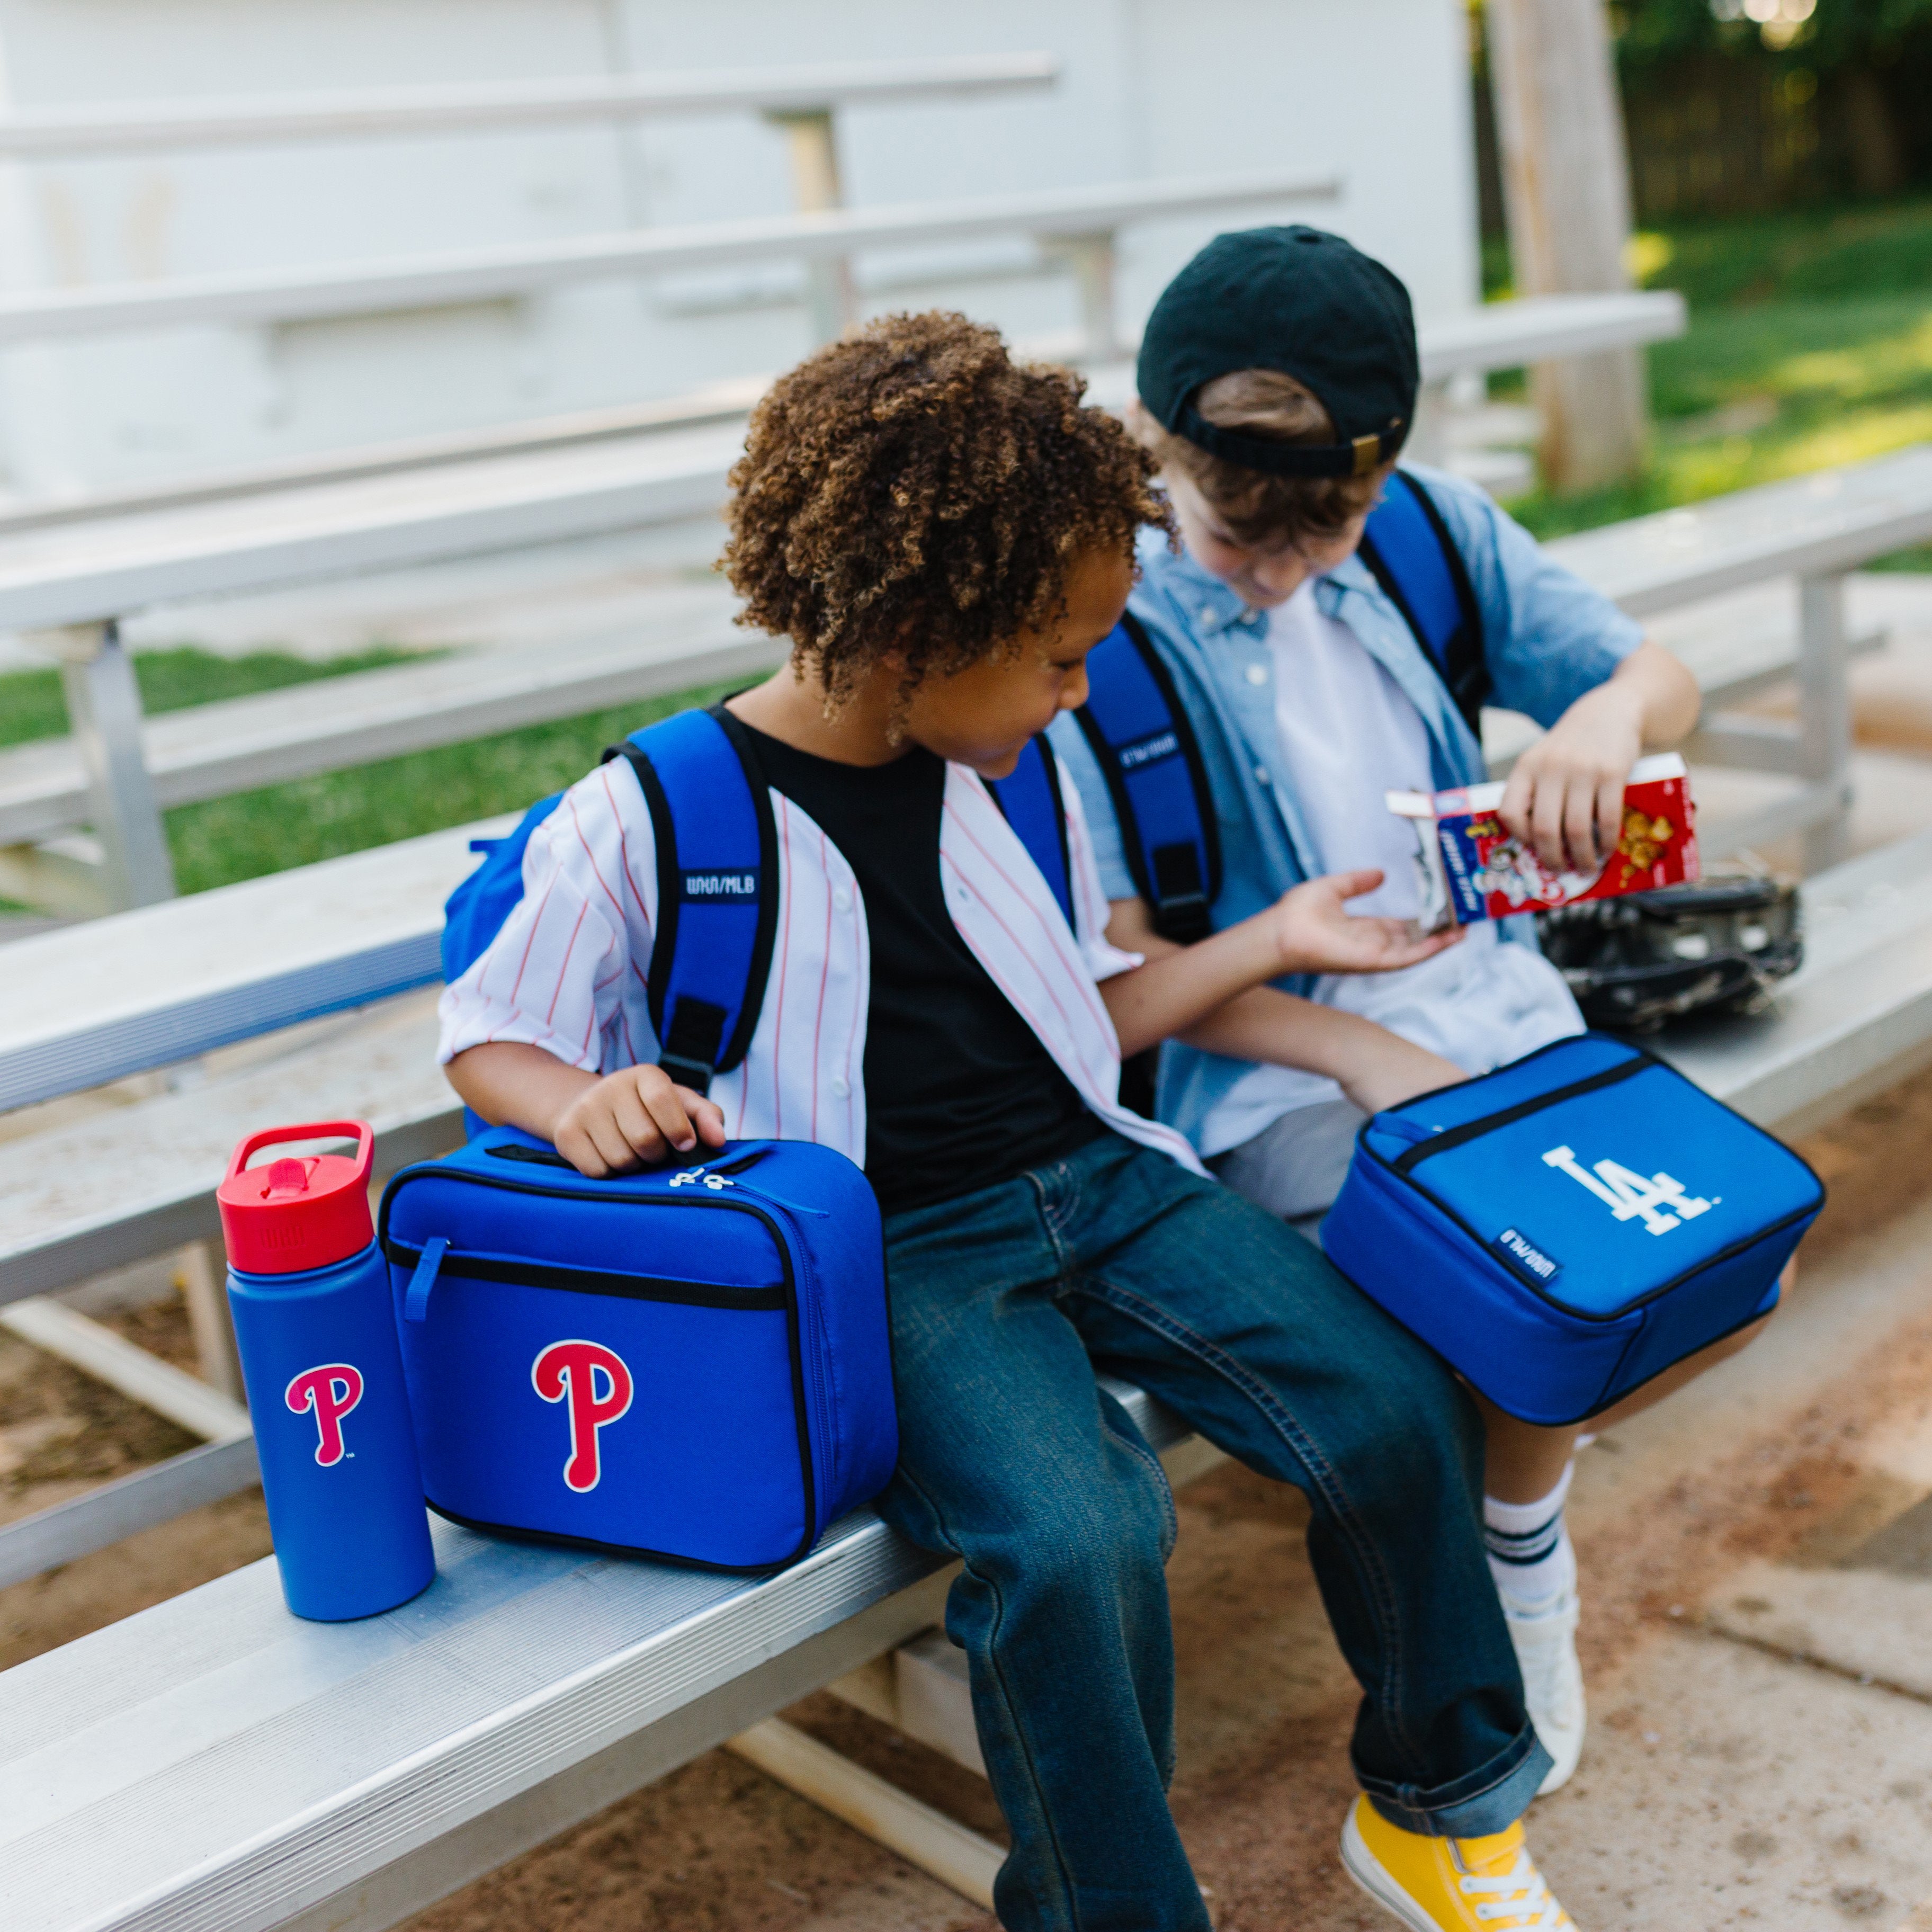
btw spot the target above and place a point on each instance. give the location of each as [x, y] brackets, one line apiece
[688, 1362]
[1565, 1229]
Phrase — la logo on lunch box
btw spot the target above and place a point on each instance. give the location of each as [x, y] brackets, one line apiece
[1658, 1200]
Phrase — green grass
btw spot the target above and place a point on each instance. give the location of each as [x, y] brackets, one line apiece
[224, 839]
[1809, 344]
[30, 705]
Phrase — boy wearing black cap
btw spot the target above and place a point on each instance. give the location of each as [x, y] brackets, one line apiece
[1277, 382]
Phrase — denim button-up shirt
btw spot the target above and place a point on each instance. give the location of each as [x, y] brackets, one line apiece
[1548, 638]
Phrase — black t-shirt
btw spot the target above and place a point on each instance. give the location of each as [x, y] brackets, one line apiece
[959, 1093]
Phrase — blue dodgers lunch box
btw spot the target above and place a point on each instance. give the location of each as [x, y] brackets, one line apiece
[1565, 1229]
[690, 1362]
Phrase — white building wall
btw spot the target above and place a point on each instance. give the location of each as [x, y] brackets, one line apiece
[1376, 89]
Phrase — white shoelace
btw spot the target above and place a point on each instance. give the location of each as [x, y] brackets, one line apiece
[1519, 1896]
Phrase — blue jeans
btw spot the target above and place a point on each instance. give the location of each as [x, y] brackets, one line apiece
[1003, 1303]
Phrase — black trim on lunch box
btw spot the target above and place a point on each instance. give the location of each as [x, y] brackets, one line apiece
[588, 1281]
[1474, 1130]
[1639, 1057]
[556, 1539]
[793, 1314]
[549, 1157]
[1601, 1408]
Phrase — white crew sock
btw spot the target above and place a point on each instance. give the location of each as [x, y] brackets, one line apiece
[1529, 1550]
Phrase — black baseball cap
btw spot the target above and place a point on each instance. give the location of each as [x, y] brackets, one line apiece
[1307, 304]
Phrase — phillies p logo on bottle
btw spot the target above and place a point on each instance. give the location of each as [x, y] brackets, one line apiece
[331, 1391]
[596, 1387]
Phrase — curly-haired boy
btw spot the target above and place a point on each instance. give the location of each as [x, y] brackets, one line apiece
[944, 535]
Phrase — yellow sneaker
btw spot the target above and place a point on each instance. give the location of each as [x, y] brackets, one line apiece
[1449, 1884]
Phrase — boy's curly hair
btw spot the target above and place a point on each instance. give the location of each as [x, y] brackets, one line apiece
[911, 487]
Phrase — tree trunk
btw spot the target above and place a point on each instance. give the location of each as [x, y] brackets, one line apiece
[1871, 133]
[1567, 176]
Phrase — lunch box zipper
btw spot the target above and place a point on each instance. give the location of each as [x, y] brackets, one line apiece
[1471, 1130]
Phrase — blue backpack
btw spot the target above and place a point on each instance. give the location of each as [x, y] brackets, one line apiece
[691, 1362]
[1568, 1226]
[590, 1361]
[717, 868]
[1146, 748]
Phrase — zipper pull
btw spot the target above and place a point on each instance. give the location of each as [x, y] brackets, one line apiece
[1410, 1132]
[415, 1302]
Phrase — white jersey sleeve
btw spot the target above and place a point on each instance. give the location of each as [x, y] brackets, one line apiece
[567, 971]
[1091, 910]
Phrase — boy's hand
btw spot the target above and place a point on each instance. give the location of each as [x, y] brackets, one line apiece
[1565, 797]
[1315, 934]
[632, 1118]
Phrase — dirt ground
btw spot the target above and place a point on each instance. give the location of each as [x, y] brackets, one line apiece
[1265, 1702]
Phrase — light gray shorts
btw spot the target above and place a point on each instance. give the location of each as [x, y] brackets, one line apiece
[1295, 1168]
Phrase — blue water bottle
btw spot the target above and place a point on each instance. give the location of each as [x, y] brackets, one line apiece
[316, 1332]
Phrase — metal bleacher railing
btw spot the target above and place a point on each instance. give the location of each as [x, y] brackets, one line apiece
[799, 101]
[71, 580]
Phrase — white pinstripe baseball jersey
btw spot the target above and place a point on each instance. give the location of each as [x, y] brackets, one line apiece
[566, 972]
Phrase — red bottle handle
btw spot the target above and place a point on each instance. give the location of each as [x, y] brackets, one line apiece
[359, 1131]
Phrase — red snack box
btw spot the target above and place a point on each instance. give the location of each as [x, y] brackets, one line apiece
[1471, 868]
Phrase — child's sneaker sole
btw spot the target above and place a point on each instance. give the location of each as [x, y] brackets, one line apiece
[1366, 1870]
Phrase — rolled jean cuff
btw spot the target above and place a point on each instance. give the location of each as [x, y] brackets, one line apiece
[1486, 1801]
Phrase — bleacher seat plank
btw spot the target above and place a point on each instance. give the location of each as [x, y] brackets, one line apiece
[212, 751]
[225, 965]
[494, 274]
[213, 1764]
[1856, 1019]
[129, 1182]
[32, 1545]
[91, 572]
[113, 127]
[1832, 521]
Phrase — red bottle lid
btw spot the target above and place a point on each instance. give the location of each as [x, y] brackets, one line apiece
[292, 1214]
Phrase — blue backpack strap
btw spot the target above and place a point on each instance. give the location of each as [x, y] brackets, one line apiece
[717, 889]
[1029, 797]
[1148, 753]
[1409, 551]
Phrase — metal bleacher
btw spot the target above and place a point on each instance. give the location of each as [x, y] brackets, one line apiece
[71, 580]
[221, 1765]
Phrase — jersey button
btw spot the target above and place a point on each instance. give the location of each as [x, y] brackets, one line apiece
[841, 1085]
[842, 899]
[1258, 673]
[1262, 776]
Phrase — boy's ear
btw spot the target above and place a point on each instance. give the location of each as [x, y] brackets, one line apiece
[1140, 426]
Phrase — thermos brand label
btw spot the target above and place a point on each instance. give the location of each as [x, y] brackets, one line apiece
[596, 1386]
[331, 1391]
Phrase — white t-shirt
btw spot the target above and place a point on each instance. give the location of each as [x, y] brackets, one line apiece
[1349, 733]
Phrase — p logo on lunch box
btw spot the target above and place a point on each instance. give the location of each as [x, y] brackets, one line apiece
[569, 1372]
